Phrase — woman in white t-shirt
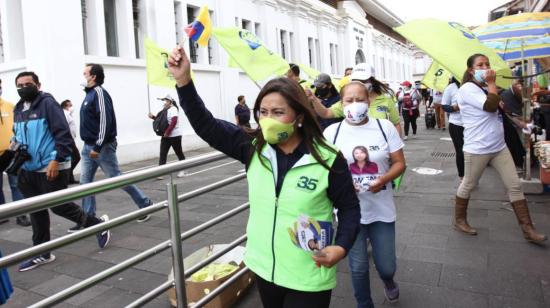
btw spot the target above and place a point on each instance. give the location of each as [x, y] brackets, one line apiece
[456, 130]
[484, 145]
[374, 152]
[172, 134]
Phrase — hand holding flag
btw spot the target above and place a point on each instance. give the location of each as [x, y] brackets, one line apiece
[179, 66]
[200, 29]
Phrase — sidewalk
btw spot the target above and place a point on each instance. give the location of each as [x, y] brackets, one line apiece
[437, 266]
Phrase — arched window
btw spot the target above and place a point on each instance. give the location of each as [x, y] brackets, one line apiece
[360, 57]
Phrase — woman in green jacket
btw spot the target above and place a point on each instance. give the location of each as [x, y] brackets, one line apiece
[295, 181]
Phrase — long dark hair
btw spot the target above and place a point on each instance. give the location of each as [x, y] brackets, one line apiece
[379, 88]
[469, 64]
[296, 99]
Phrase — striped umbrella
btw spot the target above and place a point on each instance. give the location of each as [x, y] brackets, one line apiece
[510, 34]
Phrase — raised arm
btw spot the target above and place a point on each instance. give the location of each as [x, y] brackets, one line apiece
[221, 135]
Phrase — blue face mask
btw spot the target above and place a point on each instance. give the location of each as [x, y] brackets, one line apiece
[479, 75]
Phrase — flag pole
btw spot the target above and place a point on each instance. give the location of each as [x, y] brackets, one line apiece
[148, 98]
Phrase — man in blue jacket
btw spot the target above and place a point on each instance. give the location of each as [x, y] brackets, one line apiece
[40, 128]
[98, 131]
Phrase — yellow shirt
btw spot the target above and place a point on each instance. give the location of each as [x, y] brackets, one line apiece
[6, 124]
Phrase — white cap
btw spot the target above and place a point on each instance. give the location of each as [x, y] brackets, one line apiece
[362, 71]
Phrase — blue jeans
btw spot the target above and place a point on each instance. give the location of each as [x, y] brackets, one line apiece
[382, 239]
[15, 192]
[108, 162]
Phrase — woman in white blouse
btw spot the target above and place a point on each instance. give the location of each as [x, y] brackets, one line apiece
[484, 145]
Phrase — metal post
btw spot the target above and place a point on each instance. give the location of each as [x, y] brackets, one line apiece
[175, 235]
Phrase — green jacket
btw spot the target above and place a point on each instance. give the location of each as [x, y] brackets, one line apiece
[271, 250]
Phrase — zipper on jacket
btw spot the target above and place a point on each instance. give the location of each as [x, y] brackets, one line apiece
[273, 238]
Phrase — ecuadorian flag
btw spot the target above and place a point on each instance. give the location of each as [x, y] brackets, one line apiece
[201, 28]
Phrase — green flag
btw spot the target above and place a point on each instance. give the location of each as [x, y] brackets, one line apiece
[450, 44]
[156, 60]
[250, 54]
[437, 77]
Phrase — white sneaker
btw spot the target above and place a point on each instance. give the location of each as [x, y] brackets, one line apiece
[181, 174]
[160, 178]
[406, 137]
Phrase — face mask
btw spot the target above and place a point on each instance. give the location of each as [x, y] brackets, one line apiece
[322, 92]
[275, 131]
[368, 85]
[479, 75]
[28, 94]
[84, 82]
[71, 109]
[356, 112]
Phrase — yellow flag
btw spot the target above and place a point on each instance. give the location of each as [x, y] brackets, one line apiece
[437, 77]
[156, 60]
[250, 54]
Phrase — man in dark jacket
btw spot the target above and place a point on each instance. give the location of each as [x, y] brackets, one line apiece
[98, 131]
[41, 129]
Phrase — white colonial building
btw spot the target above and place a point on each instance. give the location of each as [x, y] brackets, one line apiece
[56, 38]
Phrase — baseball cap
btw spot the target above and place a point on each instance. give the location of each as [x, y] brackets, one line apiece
[167, 97]
[362, 71]
[322, 79]
[406, 83]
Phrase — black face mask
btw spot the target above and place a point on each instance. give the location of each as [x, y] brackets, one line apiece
[322, 92]
[28, 93]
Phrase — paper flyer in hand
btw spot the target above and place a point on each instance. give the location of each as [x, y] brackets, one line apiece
[310, 234]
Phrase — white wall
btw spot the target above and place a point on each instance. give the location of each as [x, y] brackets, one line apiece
[52, 45]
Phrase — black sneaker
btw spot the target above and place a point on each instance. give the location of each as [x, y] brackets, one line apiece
[32, 263]
[23, 221]
[77, 227]
[103, 237]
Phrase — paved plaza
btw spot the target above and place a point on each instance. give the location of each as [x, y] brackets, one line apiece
[437, 266]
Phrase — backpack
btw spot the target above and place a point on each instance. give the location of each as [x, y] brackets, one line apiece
[160, 124]
[407, 100]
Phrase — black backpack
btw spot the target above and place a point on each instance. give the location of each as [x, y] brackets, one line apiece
[160, 124]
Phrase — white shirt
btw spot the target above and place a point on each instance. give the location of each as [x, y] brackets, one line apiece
[483, 131]
[174, 112]
[374, 206]
[70, 120]
[450, 96]
[438, 97]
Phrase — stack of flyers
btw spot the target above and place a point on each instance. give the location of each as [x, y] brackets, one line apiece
[310, 234]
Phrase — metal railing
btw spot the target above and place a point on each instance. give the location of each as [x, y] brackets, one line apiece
[49, 200]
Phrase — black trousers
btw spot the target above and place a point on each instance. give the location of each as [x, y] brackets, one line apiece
[75, 159]
[274, 296]
[457, 135]
[34, 184]
[410, 120]
[165, 144]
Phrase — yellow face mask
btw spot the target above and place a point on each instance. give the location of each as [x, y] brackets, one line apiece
[275, 131]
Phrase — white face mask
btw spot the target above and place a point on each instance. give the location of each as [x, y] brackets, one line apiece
[356, 112]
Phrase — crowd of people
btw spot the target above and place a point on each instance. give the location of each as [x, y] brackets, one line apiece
[321, 161]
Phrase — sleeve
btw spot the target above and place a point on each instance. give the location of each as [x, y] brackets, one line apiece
[105, 117]
[472, 96]
[59, 128]
[447, 96]
[337, 110]
[392, 111]
[223, 136]
[342, 194]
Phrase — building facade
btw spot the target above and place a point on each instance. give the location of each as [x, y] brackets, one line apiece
[56, 38]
